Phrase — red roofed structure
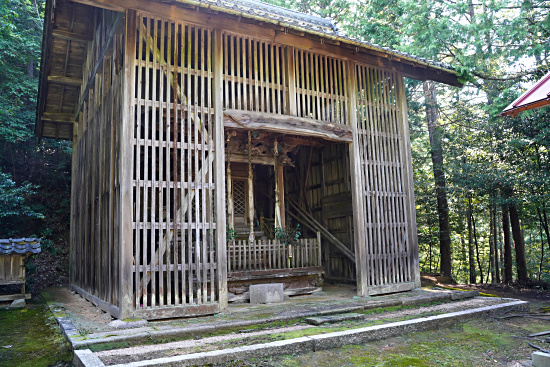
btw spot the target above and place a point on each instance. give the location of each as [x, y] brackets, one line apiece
[536, 97]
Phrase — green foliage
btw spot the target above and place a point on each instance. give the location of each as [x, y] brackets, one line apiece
[20, 40]
[12, 198]
[290, 234]
[230, 234]
[34, 176]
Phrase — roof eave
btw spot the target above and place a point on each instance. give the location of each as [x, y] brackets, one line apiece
[531, 106]
[453, 80]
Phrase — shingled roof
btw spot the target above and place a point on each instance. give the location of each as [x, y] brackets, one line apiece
[20, 246]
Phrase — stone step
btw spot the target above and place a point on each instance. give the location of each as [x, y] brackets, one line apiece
[332, 319]
[86, 358]
[157, 333]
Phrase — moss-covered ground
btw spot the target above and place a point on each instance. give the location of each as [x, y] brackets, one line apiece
[489, 342]
[30, 337]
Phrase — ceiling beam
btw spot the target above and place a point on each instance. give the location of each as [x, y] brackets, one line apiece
[58, 117]
[71, 36]
[58, 79]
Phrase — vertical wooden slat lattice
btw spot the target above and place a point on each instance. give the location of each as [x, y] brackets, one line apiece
[272, 255]
[174, 223]
[320, 87]
[382, 150]
[254, 74]
[94, 210]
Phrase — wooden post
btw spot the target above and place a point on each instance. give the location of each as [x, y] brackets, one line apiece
[75, 173]
[230, 207]
[219, 162]
[408, 181]
[281, 184]
[277, 196]
[250, 192]
[291, 79]
[319, 256]
[357, 185]
[126, 238]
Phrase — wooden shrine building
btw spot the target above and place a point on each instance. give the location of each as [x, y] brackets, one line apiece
[202, 130]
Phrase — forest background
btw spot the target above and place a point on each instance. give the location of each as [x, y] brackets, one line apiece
[481, 181]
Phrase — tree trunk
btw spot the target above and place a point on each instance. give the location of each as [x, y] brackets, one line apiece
[519, 245]
[464, 257]
[435, 133]
[507, 245]
[495, 242]
[477, 250]
[541, 249]
[544, 222]
[471, 261]
[491, 269]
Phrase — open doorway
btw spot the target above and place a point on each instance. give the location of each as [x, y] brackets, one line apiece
[285, 194]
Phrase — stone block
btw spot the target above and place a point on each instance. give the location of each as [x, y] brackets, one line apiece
[86, 358]
[457, 295]
[266, 293]
[540, 359]
[18, 303]
[128, 324]
[333, 319]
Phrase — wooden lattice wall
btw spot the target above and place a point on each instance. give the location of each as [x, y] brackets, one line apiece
[255, 74]
[388, 199]
[320, 87]
[173, 175]
[95, 216]
[145, 208]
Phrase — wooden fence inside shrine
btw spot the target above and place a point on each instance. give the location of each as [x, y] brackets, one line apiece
[243, 255]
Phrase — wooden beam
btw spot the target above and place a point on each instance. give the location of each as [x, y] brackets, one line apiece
[250, 120]
[359, 224]
[300, 214]
[113, 310]
[44, 67]
[13, 297]
[219, 165]
[104, 4]
[178, 311]
[58, 117]
[126, 292]
[243, 158]
[58, 79]
[71, 36]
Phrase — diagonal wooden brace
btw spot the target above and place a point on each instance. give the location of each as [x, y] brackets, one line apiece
[146, 36]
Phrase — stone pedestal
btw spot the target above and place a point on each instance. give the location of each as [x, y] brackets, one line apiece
[266, 293]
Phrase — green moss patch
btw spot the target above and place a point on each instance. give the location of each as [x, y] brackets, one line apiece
[474, 343]
[31, 337]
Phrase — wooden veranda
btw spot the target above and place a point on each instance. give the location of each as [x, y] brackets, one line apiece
[174, 108]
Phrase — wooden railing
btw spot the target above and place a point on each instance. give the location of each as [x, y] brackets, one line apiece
[272, 255]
